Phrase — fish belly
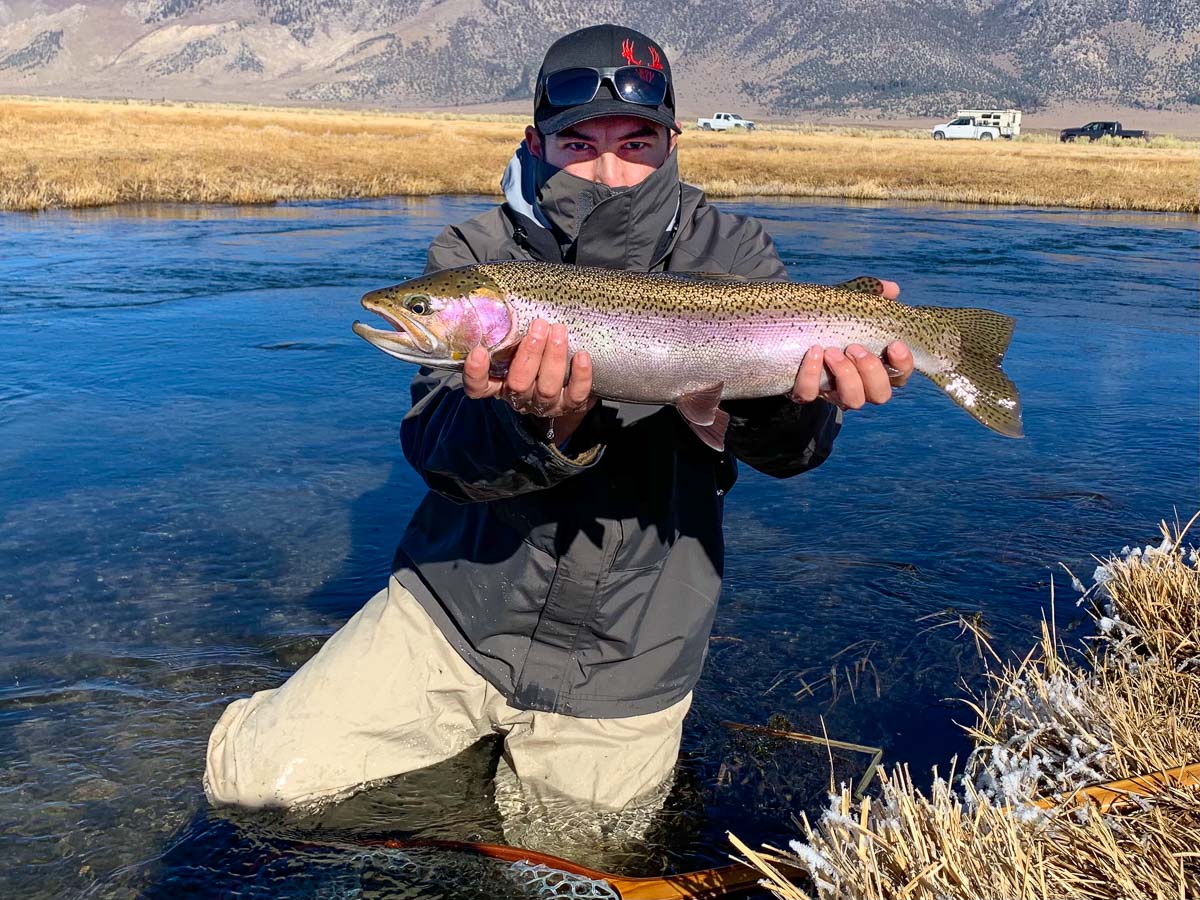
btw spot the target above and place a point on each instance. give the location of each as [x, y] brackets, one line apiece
[649, 358]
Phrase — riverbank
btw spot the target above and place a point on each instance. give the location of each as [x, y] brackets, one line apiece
[73, 153]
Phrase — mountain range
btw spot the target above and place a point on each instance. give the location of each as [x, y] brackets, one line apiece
[875, 57]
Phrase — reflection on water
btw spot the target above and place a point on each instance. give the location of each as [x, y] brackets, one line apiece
[188, 512]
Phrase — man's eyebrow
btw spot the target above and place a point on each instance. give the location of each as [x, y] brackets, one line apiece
[643, 131]
[574, 134]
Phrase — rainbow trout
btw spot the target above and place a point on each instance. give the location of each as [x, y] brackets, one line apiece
[690, 340]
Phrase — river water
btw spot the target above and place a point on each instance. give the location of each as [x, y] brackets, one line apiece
[201, 479]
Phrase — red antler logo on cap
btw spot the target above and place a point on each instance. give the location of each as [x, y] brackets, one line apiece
[627, 52]
[655, 59]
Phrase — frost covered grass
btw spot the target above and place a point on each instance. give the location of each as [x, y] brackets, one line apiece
[72, 153]
[1132, 705]
[1012, 824]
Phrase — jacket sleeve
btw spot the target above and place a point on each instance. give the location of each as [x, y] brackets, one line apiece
[474, 450]
[449, 249]
[773, 434]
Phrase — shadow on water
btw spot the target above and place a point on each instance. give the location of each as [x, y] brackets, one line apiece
[220, 853]
[453, 800]
[375, 527]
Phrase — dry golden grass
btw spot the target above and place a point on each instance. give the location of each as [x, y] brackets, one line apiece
[79, 153]
[908, 168]
[1050, 724]
[91, 154]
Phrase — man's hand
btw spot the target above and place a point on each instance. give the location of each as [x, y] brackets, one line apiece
[856, 376]
[537, 383]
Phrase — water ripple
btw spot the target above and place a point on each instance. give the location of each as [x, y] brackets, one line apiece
[186, 517]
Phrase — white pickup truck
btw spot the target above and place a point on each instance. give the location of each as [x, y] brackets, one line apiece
[722, 120]
[965, 127]
[980, 125]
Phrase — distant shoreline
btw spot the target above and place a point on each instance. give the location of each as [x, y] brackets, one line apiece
[80, 153]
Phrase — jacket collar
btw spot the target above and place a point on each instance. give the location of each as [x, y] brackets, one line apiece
[617, 228]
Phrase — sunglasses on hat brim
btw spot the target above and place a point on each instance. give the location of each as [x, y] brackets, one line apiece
[633, 84]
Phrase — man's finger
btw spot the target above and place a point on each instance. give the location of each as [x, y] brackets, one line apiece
[476, 381]
[579, 387]
[552, 373]
[891, 290]
[900, 359]
[846, 381]
[527, 360]
[876, 387]
[808, 377]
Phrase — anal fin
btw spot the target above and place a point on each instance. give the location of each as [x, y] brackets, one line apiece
[701, 411]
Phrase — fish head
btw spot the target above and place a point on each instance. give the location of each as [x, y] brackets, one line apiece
[438, 319]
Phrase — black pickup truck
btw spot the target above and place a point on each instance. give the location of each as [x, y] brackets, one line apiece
[1093, 130]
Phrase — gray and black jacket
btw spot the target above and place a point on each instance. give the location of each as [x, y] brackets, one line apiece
[584, 581]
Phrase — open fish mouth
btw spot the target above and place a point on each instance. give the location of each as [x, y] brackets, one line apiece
[410, 340]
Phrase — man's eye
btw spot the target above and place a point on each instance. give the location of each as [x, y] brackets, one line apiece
[637, 145]
[578, 147]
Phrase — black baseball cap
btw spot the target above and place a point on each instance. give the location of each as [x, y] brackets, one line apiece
[600, 47]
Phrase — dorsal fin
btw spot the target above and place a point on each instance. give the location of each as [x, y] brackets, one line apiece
[864, 284]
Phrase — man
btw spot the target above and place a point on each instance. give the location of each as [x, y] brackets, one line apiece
[558, 584]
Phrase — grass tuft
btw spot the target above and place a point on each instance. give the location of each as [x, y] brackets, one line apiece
[1049, 724]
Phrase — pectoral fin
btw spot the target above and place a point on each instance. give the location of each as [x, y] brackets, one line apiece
[703, 415]
[501, 360]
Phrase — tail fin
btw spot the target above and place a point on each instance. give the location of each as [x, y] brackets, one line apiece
[974, 379]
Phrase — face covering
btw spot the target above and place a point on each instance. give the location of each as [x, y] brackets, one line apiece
[615, 228]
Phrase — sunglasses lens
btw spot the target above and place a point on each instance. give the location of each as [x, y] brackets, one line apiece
[571, 87]
[641, 84]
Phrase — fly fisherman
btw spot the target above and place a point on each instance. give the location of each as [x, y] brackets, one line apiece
[558, 583]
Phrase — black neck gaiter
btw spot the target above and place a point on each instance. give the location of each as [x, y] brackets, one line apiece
[614, 228]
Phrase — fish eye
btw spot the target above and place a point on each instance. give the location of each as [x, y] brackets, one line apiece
[417, 304]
